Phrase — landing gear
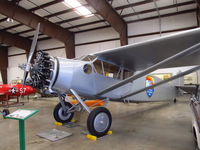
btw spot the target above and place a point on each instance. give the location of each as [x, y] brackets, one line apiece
[63, 111]
[62, 115]
[99, 121]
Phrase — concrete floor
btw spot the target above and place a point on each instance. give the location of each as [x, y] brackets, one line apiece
[147, 126]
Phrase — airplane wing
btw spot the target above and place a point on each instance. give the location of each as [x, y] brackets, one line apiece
[181, 49]
[142, 55]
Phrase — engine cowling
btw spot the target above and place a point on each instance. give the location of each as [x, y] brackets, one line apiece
[41, 71]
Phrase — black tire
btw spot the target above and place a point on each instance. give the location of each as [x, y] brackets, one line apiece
[6, 112]
[59, 115]
[93, 117]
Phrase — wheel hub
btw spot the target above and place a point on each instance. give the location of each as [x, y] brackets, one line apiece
[63, 114]
[101, 122]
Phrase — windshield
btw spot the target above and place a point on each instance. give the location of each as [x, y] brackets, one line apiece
[88, 58]
[110, 70]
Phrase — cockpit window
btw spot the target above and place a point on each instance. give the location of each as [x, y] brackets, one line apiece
[110, 70]
[98, 68]
[87, 68]
[88, 58]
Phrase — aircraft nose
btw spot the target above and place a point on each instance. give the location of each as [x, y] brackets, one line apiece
[30, 90]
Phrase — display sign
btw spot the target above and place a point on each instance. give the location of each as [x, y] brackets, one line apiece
[22, 114]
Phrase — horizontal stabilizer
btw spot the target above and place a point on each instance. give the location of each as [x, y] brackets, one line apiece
[191, 89]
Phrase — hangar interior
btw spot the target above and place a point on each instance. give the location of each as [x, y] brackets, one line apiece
[73, 28]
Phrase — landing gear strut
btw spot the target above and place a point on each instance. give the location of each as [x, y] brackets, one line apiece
[62, 111]
[62, 115]
[99, 120]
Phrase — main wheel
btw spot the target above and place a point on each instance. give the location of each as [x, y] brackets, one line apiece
[6, 112]
[99, 121]
[60, 115]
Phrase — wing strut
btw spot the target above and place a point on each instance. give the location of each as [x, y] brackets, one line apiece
[163, 81]
[160, 64]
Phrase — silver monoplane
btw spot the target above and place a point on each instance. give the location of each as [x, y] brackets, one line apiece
[119, 74]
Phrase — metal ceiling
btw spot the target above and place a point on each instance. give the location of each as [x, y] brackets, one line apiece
[130, 10]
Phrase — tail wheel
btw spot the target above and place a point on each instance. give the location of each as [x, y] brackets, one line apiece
[60, 115]
[99, 121]
[6, 112]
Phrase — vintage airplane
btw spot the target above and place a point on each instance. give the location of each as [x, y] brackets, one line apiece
[13, 90]
[120, 74]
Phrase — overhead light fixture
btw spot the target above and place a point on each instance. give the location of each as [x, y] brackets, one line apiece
[9, 20]
[78, 7]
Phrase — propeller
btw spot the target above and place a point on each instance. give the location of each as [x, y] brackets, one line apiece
[32, 50]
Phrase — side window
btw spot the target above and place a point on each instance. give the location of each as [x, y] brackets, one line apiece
[111, 70]
[87, 68]
[127, 74]
[98, 67]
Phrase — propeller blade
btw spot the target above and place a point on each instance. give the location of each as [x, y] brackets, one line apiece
[32, 50]
[33, 47]
[24, 78]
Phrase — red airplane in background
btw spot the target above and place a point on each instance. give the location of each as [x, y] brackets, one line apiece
[8, 91]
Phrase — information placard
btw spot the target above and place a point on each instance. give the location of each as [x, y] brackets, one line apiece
[22, 114]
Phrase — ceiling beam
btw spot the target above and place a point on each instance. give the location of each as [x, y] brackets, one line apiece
[144, 19]
[14, 40]
[128, 15]
[63, 12]
[4, 63]
[135, 4]
[117, 8]
[4, 19]
[94, 22]
[30, 19]
[34, 9]
[198, 12]
[165, 15]
[72, 9]
[138, 20]
[198, 3]
[112, 17]
[160, 8]
[27, 18]
[198, 16]
[46, 5]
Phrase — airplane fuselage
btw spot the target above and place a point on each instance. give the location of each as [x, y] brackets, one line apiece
[81, 76]
[16, 90]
